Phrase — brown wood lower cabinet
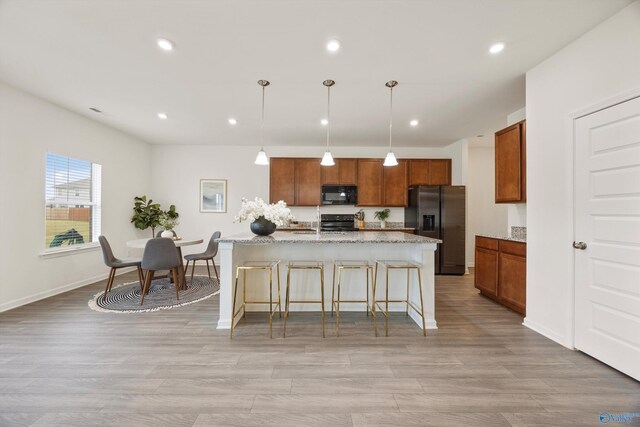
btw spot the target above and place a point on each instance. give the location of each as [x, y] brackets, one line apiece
[501, 272]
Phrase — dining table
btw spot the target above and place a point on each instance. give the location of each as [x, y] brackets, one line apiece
[179, 242]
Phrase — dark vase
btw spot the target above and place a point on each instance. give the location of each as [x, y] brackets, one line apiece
[262, 227]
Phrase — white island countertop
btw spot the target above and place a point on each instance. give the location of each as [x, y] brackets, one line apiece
[327, 237]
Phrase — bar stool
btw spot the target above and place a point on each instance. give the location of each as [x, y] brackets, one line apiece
[256, 265]
[396, 265]
[348, 265]
[304, 265]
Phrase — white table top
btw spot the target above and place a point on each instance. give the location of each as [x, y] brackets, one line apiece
[141, 243]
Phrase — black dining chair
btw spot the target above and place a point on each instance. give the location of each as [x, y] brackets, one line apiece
[209, 254]
[111, 261]
[160, 254]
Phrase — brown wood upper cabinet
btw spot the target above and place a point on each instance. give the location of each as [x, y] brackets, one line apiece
[299, 181]
[344, 172]
[511, 160]
[395, 187]
[429, 172]
[282, 180]
[296, 181]
[370, 182]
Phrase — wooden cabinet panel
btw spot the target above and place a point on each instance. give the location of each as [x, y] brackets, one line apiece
[331, 174]
[344, 172]
[487, 243]
[512, 289]
[501, 273]
[307, 182]
[510, 164]
[429, 172]
[439, 172]
[348, 171]
[395, 189]
[513, 248]
[370, 182]
[486, 273]
[418, 172]
[282, 180]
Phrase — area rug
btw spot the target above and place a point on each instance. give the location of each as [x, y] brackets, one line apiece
[125, 298]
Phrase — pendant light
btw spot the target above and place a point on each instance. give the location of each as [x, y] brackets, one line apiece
[327, 159]
[390, 160]
[262, 158]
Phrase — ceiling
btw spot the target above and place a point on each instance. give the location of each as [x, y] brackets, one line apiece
[103, 54]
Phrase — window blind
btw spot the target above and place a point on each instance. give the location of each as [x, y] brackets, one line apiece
[72, 201]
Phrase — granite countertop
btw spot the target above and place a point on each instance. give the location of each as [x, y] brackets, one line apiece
[327, 237]
[512, 239]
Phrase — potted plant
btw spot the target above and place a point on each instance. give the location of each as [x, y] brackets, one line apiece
[147, 214]
[382, 216]
[168, 223]
[264, 217]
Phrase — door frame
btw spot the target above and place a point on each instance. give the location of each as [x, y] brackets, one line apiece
[571, 130]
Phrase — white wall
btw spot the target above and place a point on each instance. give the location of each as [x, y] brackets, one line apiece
[603, 63]
[484, 215]
[29, 127]
[180, 185]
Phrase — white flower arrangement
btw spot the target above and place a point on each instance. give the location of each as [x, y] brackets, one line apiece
[251, 210]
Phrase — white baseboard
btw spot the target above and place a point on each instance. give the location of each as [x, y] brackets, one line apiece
[61, 289]
[544, 331]
[471, 264]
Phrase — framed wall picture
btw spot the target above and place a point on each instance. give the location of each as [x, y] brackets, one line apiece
[213, 195]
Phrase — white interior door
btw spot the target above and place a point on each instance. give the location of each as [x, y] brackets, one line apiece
[607, 218]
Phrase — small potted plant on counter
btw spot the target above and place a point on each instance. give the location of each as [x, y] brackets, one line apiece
[382, 217]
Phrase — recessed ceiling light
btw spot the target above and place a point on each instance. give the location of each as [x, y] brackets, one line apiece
[413, 123]
[233, 121]
[333, 45]
[324, 122]
[165, 44]
[163, 116]
[496, 48]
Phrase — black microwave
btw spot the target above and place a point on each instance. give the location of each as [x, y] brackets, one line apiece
[339, 195]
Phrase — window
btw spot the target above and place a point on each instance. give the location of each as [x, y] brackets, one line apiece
[72, 201]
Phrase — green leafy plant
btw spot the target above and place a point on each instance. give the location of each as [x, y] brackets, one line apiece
[382, 215]
[147, 214]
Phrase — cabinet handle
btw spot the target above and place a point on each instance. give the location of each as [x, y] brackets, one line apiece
[580, 245]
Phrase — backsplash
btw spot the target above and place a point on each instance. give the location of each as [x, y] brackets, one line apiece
[367, 224]
[519, 232]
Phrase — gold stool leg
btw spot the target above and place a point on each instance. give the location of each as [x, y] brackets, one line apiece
[338, 303]
[279, 300]
[270, 303]
[373, 300]
[333, 288]
[244, 293]
[386, 318]
[424, 329]
[286, 301]
[366, 273]
[407, 310]
[233, 306]
[322, 297]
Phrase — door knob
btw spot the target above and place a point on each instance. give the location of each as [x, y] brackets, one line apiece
[580, 245]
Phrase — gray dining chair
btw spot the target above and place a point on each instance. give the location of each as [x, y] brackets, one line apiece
[111, 261]
[209, 254]
[160, 254]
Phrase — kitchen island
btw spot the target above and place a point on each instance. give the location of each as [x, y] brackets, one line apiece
[327, 247]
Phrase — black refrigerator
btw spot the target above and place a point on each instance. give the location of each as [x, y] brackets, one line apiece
[439, 212]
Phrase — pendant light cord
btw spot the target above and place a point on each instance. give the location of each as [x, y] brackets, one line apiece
[328, 114]
[390, 117]
[262, 123]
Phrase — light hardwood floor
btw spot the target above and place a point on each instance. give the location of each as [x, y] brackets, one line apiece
[63, 364]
